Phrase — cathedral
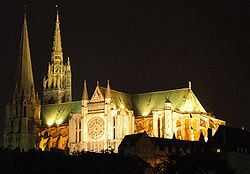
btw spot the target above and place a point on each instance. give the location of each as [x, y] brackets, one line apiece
[98, 122]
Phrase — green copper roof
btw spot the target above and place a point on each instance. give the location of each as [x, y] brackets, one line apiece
[58, 113]
[183, 100]
[120, 99]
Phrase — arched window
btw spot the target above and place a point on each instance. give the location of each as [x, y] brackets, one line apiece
[159, 127]
[114, 127]
[16, 111]
[163, 126]
[24, 111]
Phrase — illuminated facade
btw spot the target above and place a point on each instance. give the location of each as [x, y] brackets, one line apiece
[106, 119]
[99, 123]
[57, 84]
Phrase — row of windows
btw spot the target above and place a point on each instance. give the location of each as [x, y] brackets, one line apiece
[23, 113]
[19, 124]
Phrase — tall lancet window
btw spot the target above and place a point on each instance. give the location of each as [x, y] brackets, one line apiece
[159, 127]
[76, 130]
[24, 111]
[16, 111]
[163, 126]
[114, 127]
[80, 130]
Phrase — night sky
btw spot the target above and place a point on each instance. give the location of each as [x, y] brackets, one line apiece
[140, 46]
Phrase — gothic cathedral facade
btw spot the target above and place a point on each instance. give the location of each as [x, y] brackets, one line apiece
[99, 123]
[100, 126]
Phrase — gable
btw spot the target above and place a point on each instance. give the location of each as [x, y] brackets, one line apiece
[97, 96]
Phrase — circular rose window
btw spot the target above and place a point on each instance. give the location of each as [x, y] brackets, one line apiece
[96, 128]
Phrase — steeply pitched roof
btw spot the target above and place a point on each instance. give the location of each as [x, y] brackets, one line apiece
[181, 99]
[120, 99]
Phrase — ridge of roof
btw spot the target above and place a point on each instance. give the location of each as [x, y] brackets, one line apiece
[159, 92]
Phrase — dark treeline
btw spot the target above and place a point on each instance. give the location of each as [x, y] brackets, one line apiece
[35, 161]
[197, 163]
[56, 161]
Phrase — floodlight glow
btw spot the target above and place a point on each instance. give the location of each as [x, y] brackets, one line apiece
[59, 121]
[50, 122]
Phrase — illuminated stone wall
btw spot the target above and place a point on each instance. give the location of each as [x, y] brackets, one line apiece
[167, 122]
[104, 121]
[101, 125]
[53, 137]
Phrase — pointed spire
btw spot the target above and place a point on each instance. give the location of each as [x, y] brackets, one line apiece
[24, 73]
[57, 45]
[68, 61]
[97, 83]
[108, 91]
[189, 84]
[85, 92]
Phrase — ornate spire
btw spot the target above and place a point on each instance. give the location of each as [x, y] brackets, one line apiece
[108, 91]
[85, 92]
[24, 74]
[57, 44]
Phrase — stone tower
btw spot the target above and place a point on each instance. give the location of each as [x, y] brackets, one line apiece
[57, 84]
[23, 112]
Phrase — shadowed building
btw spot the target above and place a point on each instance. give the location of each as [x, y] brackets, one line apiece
[233, 145]
[156, 150]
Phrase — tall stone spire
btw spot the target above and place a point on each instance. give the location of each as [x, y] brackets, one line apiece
[24, 75]
[57, 44]
[57, 84]
[23, 114]
[85, 92]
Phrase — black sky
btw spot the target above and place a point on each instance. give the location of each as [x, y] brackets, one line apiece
[140, 46]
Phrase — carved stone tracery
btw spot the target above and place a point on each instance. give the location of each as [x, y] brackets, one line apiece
[96, 128]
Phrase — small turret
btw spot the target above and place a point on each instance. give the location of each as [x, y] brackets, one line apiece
[167, 104]
[85, 92]
[108, 91]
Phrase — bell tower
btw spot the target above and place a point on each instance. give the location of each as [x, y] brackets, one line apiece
[23, 111]
[57, 83]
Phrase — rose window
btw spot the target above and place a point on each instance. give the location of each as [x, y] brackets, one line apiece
[96, 128]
